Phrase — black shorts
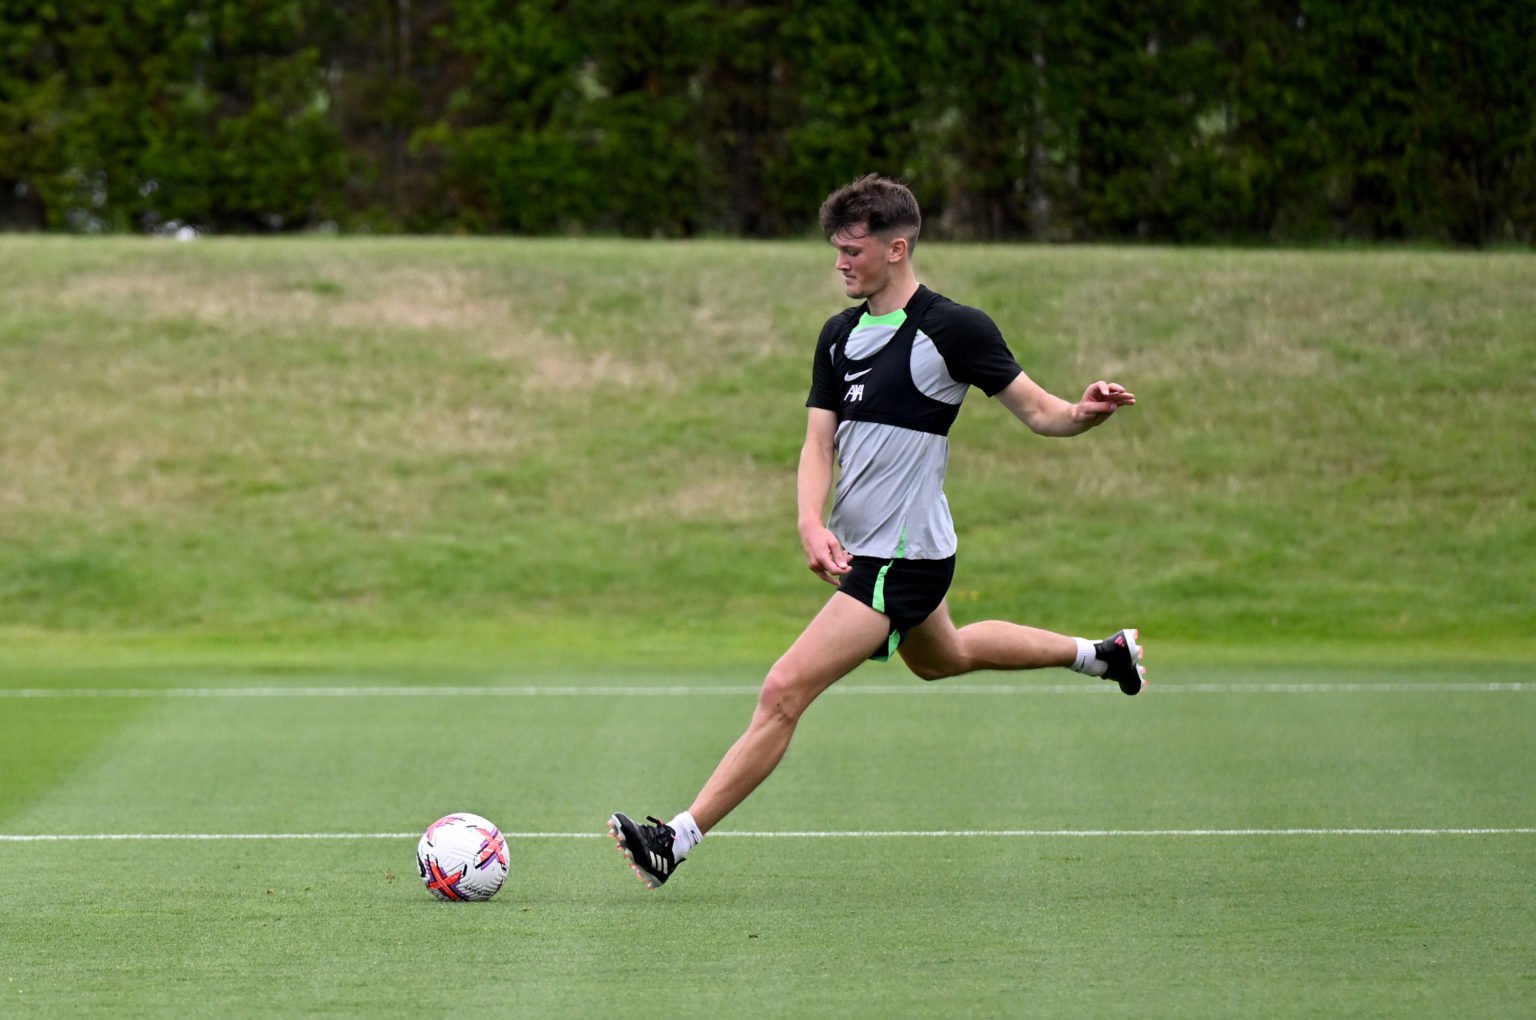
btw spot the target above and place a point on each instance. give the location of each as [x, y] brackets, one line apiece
[906, 591]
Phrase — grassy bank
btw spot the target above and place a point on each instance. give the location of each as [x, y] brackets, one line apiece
[569, 449]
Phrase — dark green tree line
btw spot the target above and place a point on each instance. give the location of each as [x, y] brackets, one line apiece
[1173, 120]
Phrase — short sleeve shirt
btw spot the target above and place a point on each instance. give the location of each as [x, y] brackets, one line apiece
[895, 404]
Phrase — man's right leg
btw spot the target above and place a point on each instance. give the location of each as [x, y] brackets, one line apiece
[842, 636]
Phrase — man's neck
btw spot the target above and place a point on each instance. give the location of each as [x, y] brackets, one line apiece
[893, 297]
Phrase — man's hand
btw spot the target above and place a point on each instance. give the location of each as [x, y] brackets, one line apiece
[824, 554]
[1100, 400]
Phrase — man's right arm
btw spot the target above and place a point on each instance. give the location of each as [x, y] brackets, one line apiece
[824, 554]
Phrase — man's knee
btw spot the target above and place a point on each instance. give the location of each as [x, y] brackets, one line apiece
[785, 694]
[934, 668]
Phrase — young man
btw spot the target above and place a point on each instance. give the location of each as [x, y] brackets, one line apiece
[887, 384]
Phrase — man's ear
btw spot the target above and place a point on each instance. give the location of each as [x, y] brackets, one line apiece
[900, 248]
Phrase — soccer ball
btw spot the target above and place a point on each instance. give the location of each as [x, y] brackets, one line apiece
[462, 857]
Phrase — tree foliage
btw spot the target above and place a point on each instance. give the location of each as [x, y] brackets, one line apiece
[1173, 120]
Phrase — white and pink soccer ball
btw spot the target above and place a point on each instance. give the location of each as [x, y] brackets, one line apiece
[462, 857]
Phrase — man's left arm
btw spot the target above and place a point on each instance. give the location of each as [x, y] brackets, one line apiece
[1048, 415]
[975, 352]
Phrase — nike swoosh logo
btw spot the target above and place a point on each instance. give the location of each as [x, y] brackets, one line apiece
[851, 376]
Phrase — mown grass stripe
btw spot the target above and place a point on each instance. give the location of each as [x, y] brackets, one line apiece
[732, 690]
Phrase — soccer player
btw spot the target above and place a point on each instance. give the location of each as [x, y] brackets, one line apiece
[887, 383]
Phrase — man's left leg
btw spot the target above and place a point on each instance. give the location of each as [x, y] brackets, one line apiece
[936, 649]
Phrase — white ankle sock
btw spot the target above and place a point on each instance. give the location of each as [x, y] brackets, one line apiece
[1088, 660]
[687, 835]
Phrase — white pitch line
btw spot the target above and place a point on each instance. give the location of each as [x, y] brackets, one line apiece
[113, 837]
[1114, 833]
[742, 690]
[144, 837]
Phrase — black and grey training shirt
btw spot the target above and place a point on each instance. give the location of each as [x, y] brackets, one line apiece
[896, 393]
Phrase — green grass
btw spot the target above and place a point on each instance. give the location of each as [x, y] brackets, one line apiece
[341, 463]
[1044, 925]
[312, 442]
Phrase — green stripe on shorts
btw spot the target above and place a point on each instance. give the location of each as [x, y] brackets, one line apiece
[894, 640]
[878, 604]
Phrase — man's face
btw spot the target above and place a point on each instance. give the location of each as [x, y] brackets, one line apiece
[864, 260]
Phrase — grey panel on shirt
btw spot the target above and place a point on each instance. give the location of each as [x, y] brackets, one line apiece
[890, 492]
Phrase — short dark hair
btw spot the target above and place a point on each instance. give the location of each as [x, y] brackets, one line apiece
[885, 206]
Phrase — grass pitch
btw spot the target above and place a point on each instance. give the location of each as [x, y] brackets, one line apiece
[309, 542]
[1276, 842]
